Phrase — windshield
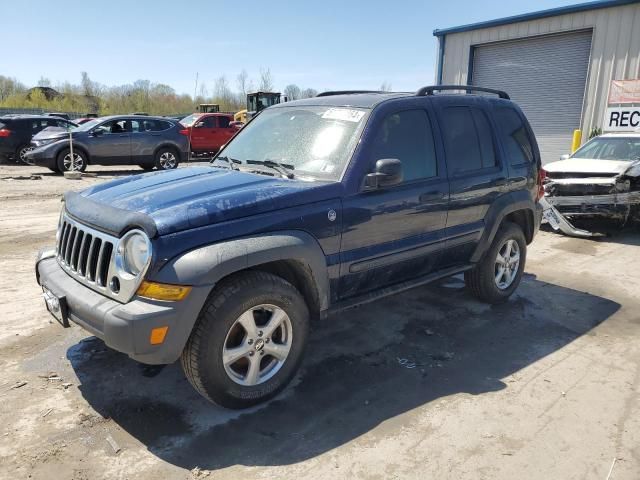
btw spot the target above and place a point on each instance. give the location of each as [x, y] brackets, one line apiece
[610, 148]
[85, 127]
[316, 141]
[190, 120]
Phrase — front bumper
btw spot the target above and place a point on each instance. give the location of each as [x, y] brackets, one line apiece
[124, 327]
[606, 205]
[42, 156]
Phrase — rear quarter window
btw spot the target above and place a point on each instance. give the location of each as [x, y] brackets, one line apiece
[468, 139]
[514, 136]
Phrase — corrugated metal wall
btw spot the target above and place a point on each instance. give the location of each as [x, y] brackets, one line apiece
[615, 50]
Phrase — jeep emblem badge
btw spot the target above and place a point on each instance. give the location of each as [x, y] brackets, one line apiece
[331, 215]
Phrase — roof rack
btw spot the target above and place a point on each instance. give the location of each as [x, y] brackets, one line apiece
[346, 92]
[468, 88]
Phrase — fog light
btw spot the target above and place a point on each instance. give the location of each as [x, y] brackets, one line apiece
[157, 335]
[163, 291]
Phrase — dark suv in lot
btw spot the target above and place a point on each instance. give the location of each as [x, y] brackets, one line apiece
[117, 140]
[315, 206]
[16, 132]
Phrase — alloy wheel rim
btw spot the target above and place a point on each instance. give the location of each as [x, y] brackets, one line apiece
[257, 345]
[167, 160]
[78, 161]
[23, 154]
[507, 264]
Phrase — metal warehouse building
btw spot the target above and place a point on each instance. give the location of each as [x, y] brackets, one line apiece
[556, 64]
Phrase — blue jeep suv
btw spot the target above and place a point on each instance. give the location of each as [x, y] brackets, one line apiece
[315, 206]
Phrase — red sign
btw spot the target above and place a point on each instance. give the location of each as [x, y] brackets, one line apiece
[624, 91]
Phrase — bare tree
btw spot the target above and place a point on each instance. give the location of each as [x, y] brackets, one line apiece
[243, 83]
[308, 93]
[266, 80]
[292, 91]
[44, 82]
[385, 87]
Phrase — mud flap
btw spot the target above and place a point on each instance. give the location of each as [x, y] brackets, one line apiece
[559, 222]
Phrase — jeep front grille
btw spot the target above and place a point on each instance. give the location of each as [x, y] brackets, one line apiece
[85, 253]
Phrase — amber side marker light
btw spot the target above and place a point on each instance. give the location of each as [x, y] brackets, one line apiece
[163, 291]
[157, 335]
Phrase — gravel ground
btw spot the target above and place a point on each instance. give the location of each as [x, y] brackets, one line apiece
[427, 384]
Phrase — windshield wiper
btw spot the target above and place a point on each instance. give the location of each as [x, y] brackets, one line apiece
[282, 168]
[230, 161]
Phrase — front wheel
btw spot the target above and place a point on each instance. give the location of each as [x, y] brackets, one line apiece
[248, 341]
[498, 274]
[166, 159]
[21, 153]
[64, 162]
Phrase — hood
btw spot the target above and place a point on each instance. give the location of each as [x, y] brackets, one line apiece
[585, 165]
[51, 132]
[196, 196]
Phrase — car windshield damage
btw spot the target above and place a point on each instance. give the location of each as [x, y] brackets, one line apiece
[312, 141]
[610, 148]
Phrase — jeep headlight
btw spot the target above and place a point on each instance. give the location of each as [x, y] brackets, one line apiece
[134, 252]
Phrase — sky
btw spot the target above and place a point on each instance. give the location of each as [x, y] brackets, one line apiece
[334, 44]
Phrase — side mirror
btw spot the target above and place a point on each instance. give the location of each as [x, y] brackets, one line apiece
[387, 172]
[199, 125]
[97, 132]
[236, 125]
[566, 156]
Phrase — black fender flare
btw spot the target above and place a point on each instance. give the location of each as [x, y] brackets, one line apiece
[209, 264]
[500, 208]
[170, 145]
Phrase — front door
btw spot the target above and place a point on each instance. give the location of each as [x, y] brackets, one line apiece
[112, 145]
[395, 233]
[203, 134]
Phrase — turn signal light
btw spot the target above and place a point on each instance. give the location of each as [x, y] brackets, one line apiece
[157, 335]
[184, 131]
[163, 291]
[5, 133]
[542, 175]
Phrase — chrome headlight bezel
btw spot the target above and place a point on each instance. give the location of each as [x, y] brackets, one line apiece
[124, 269]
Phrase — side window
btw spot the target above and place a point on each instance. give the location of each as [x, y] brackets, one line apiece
[210, 122]
[408, 137]
[223, 122]
[137, 126]
[467, 139]
[514, 136]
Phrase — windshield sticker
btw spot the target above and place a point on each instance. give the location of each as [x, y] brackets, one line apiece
[346, 114]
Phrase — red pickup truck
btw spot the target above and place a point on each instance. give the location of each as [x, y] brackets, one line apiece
[209, 131]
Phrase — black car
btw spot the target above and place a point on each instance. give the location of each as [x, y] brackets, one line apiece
[315, 206]
[16, 132]
[116, 140]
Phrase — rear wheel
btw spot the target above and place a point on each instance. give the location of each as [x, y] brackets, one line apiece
[166, 159]
[498, 274]
[64, 162]
[248, 341]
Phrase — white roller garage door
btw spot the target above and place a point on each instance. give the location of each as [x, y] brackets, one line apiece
[546, 76]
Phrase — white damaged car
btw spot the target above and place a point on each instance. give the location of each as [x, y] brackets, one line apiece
[601, 179]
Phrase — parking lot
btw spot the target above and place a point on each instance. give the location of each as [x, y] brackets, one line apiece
[427, 384]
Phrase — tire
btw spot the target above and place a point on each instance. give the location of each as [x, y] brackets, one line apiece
[63, 160]
[20, 153]
[218, 330]
[166, 159]
[54, 169]
[483, 281]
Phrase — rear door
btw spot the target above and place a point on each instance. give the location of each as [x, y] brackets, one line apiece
[225, 130]
[113, 146]
[392, 234]
[476, 174]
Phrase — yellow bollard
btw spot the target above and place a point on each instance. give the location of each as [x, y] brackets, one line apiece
[577, 140]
